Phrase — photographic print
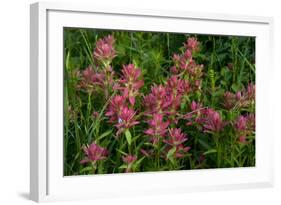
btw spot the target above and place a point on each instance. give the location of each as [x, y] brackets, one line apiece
[141, 101]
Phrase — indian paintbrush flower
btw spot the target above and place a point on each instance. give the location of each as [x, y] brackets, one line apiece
[130, 82]
[129, 161]
[104, 51]
[240, 99]
[90, 79]
[115, 106]
[175, 140]
[120, 114]
[192, 44]
[157, 128]
[157, 100]
[212, 120]
[245, 126]
[126, 119]
[94, 153]
[176, 137]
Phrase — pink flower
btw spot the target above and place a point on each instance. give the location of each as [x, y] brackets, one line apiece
[232, 99]
[212, 120]
[104, 51]
[157, 100]
[130, 82]
[181, 150]
[88, 74]
[129, 159]
[95, 114]
[174, 70]
[120, 114]
[90, 79]
[251, 121]
[241, 123]
[176, 137]
[94, 153]
[229, 100]
[238, 95]
[251, 89]
[126, 119]
[242, 98]
[245, 126]
[185, 64]
[158, 127]
[196, 110]
[245, 123]
[195, 106]
[192, 44]
[242, 139]
[116, 105]
[176, 88]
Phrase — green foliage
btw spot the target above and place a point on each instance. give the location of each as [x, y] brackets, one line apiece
[229, 65]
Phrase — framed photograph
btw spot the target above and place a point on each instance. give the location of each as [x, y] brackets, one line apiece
[129, 102]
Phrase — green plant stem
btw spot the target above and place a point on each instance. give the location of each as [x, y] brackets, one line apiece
[216, 136]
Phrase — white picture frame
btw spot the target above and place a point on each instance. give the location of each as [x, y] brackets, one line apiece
[47, 182]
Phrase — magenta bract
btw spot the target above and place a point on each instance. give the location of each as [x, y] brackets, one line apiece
[94, 153]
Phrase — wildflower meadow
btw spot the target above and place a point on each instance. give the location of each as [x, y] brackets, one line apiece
[147, 101]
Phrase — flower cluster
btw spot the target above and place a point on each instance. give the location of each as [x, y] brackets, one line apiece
[104, 51]
[116, 105]
[90, 79]
[186, 65]
[206, 118]
[157, 101]
[129, 161]
[160, 124]
[94, 153]
[121, 108]
[166, 99]
[212, 120]
[176, 89]
[245, 126]
[121, 114]
[126, 120]
[176, 140]
[240, 99]
[157, 129]
[130, 82]
[103, 74]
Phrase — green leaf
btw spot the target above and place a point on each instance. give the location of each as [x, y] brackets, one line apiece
[120, 151]
[128, 136]
[234, 87]
[104, 134]
[148, 144]
[139, 161]
[204, 144]
[210, 151]
[124, 166]
[67, 61]
[87, 169]
[170, 154]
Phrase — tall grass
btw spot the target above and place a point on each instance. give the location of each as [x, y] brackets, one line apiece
[229, 65]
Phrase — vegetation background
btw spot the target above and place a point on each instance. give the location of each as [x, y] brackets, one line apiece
[229, 65]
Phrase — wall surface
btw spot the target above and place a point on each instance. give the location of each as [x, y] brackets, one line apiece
[14, 102]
